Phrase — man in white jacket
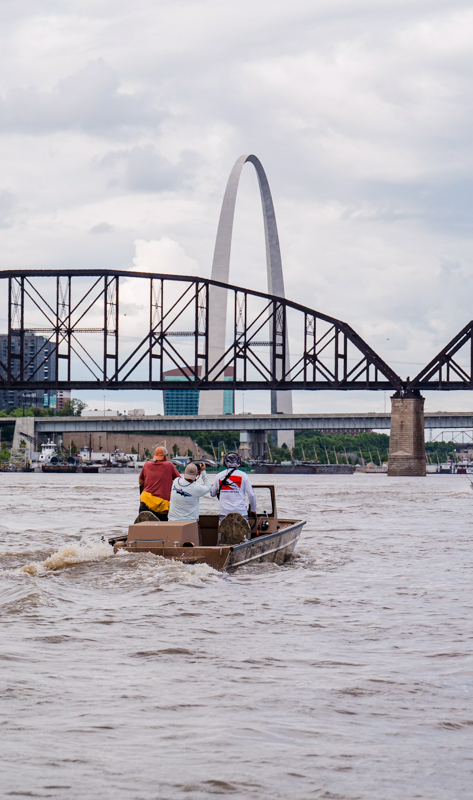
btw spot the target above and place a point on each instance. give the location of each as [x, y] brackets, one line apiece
[230, 487]
[186, 493]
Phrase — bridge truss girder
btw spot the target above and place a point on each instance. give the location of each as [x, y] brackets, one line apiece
[444, 372]
[80, 314]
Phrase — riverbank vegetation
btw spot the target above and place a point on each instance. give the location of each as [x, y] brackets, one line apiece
[327, 448]
[71, 408]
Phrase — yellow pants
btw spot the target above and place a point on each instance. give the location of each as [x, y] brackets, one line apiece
[156, 504]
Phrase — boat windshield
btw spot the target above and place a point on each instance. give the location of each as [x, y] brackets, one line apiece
[264, 503]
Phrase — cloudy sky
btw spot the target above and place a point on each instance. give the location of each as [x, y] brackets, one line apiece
[120, 122]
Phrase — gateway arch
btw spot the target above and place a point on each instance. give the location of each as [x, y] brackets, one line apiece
[212, 402]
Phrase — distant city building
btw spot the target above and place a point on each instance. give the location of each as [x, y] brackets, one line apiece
[39, 366]
[180, 402]
[185, 402]
[63, 396]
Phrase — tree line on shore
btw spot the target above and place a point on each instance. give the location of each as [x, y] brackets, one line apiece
[327, 448]
[71, 408]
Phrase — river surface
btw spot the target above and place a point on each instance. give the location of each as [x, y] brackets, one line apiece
[346, 673]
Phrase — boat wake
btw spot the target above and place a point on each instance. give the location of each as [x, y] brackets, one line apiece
[143, 570]
[69, 554]
[128, 570]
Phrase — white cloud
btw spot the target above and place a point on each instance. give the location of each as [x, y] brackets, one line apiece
[102, 227]
[7, 206]
[143, 169]
[163, 256]
[88, 100]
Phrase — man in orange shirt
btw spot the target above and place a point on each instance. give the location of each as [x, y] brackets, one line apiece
[156, 479]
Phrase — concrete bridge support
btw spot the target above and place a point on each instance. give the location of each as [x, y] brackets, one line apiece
[407, 443]
[253, 444]
[25, 431]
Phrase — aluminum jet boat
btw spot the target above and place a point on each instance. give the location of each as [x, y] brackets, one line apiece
[270, 538]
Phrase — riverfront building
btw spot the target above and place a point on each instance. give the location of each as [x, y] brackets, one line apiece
[39, 365]
[185, 402]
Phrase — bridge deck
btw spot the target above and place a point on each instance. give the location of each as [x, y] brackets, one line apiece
[240, 422]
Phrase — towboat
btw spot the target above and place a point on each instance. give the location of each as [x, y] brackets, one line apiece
[270, 539]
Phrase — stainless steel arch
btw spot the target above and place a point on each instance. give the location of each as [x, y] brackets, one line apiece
[213, 401]
[223, 244]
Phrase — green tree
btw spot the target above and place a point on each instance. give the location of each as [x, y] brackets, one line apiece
[8, 432]
[72, 408]
[440, 451]
[29, 411]
[18, 412]
[204, 439]
[41, 412]
[345, 445]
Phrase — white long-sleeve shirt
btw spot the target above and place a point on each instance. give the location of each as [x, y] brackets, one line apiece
[185, 496]
[232, 496]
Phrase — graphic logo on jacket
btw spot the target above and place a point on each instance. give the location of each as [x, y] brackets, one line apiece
[182, 492]
[233, 485]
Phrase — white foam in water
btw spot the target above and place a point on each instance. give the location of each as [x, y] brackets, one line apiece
[70, 554]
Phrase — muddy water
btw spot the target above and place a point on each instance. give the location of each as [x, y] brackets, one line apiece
[347, 673]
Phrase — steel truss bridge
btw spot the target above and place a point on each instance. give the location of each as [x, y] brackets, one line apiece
[111, 330]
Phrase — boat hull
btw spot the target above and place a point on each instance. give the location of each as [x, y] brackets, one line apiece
[72, 468]
[273, 547]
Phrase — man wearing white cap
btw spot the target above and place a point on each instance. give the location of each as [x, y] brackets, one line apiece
[186, 493]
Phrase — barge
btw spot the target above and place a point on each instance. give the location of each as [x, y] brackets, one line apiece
[303, 469]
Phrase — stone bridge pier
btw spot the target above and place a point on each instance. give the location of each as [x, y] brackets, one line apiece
[407, 442]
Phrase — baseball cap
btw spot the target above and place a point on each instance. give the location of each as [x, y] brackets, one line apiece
[160, 453]
[191, 472]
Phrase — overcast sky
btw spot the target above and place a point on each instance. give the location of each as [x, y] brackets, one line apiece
[120, 123]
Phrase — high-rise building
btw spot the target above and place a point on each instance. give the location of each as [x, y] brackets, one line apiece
[185, 402]
[63, 395]
[38, 365]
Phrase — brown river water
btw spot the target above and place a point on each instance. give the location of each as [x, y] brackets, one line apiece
[346, 673]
